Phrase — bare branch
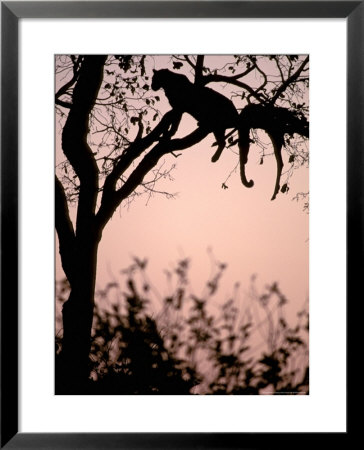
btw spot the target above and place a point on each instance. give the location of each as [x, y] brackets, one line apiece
[62, 103]
[289, 81]
[134, 150]
[71, 82]
[114, 198]
[232, 80]
[187, 58]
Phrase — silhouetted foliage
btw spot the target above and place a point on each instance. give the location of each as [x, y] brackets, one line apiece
[186, 347]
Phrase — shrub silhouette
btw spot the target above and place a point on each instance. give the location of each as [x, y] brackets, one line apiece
[186, 347]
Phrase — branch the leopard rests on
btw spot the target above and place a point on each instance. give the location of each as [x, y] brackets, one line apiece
[215, 113]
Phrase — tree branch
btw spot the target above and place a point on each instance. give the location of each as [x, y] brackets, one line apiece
[113, 199]
[187, 58]
[65, 87]
[232, 80]
[199, 69]
[289, 81]
[133, 152]
[62, 103]
[75, 131]
[242, 74]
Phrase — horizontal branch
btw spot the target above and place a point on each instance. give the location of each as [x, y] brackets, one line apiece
[62, 103]
[232, 80]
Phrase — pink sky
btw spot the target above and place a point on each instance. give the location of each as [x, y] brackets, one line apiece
[242, 227]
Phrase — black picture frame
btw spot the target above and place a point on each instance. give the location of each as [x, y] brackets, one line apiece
[11, 12]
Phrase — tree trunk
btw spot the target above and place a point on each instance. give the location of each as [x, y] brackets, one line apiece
[73, 367]
[78, 248]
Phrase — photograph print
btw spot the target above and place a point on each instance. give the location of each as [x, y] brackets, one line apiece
[182, 213]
